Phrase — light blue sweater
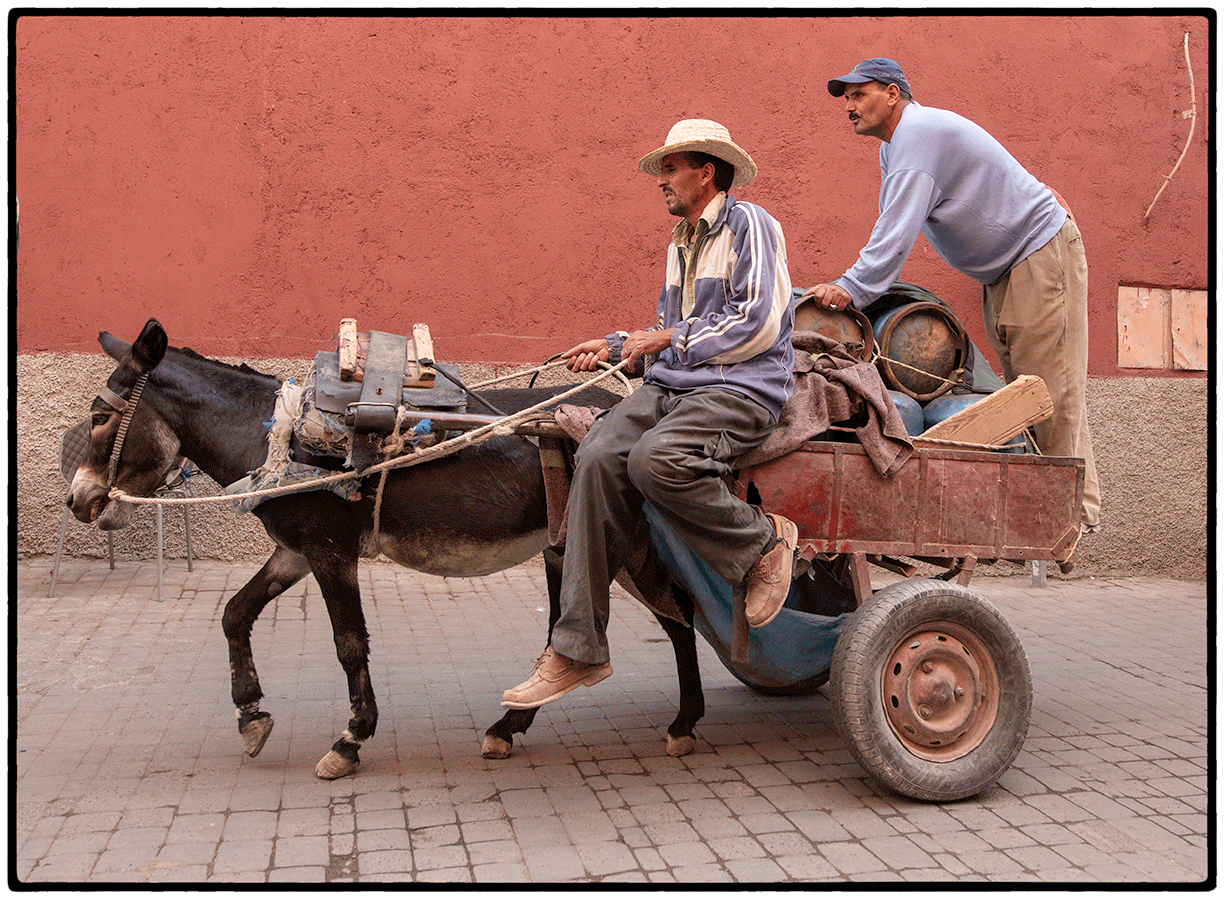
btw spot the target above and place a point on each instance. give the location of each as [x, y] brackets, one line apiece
[945, 176]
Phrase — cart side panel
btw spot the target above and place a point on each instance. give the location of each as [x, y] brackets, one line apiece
[960, 502]
[836, 498]
[1043, 509]
[942, 503]
[871, 508]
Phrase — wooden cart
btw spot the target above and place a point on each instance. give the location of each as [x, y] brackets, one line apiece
[929, 683]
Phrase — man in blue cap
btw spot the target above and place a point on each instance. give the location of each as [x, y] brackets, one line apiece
[989, 218]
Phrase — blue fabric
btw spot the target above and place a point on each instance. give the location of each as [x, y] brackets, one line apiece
[794, 648]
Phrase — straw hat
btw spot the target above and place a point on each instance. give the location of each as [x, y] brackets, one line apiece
[702, 136]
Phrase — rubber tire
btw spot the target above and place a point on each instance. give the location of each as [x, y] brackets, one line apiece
[869, 639]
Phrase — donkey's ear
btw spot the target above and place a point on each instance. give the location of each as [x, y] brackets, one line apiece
[115, 348]
[149, 347]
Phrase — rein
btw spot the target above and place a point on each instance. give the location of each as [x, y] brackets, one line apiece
[503, 426]
[126, 407]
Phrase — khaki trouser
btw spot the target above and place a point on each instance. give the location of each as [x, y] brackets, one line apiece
[671, 449]
[1037, 321]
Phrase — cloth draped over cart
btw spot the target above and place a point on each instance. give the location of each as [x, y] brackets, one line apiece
[833, 387]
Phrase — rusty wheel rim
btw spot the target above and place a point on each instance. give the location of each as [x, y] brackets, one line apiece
[940, 692]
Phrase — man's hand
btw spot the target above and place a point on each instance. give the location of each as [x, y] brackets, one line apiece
[643, 343]
[829, 296]
[586, 356]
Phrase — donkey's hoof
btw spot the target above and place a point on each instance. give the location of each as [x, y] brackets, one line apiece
[496, 748]
[255, 734]
[680, 746]
[334, 765]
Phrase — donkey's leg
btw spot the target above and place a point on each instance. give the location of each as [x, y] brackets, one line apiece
[284, 569]
[680, 739]
[499, 739]
[336, 572]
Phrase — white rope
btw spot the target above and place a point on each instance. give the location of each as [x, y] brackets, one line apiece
[957, 374]
[541, 368]
[502, 426]
[518, 374]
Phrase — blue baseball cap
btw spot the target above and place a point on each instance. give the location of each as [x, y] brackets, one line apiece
[882, 70]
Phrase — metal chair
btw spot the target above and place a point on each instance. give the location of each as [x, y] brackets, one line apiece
[74, 448]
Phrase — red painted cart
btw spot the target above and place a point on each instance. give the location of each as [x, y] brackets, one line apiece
[929, 683]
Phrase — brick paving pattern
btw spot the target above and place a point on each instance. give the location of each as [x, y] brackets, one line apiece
[129, 766]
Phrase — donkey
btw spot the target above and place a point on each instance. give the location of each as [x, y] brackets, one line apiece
[469, 514]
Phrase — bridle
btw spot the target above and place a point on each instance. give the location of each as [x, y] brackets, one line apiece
[125, 408]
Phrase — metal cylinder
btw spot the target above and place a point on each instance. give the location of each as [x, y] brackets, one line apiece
[848, 327]
[910, 412]
[944, 407]
[922, 348]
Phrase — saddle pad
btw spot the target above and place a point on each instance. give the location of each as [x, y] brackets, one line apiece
[334, 395]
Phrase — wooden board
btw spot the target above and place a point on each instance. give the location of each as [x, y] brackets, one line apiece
[421, 357]
[346, 348]
[997, 417]
[353, 345]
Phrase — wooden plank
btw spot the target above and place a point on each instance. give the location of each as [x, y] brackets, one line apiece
[1143, 327]
[1191, 342]
[999, 416]
[420, 347]
[346, 347]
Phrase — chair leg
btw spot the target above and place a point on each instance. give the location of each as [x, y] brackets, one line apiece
[160, 566]
[59, 552]
[187, 528]
[110, 547]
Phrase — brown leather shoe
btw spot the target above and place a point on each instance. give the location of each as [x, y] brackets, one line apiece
[553, 676]
[769, 579]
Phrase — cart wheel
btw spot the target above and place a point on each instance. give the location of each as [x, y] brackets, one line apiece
[931, 688]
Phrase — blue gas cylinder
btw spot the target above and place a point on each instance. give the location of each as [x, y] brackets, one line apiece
[922, 349]
[910, 411]
[944, 407]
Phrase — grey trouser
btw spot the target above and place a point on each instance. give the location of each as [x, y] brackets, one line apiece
[671, 449]
[1037, 321]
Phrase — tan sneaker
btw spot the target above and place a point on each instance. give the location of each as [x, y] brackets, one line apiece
[553, 676]
[769, 579]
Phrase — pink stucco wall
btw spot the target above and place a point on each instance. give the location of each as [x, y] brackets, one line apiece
[251, 180]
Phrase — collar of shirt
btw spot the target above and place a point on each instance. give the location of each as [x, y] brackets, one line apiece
[684, 235]
[688, 242]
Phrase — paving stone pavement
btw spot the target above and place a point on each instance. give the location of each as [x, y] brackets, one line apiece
[127, 765]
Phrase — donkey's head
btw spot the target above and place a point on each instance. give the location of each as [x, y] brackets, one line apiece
[131, 446]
